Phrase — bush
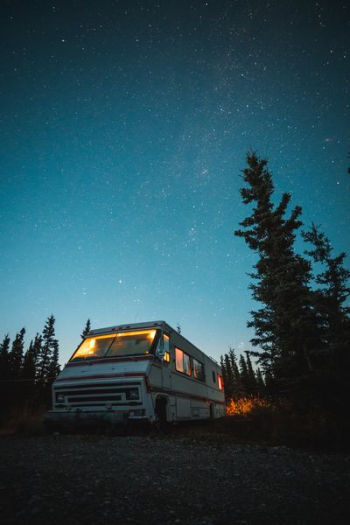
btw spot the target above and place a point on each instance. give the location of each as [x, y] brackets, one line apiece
[279, 422]
[23, 420]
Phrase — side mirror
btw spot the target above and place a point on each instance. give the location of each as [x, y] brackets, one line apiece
[160, 349]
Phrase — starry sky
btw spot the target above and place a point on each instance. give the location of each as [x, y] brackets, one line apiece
[124, 130]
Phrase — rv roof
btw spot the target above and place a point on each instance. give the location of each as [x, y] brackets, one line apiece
[149, 324]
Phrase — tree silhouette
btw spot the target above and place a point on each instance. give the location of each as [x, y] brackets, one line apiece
[86, 329]
[281, 278]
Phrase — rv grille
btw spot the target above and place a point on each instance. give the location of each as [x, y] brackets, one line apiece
[97, 394]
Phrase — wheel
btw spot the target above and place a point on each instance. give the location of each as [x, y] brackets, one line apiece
[160, 421]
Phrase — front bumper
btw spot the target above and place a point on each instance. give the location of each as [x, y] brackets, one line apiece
[77, 419]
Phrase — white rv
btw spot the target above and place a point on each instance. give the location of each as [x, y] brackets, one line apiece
[144, 371]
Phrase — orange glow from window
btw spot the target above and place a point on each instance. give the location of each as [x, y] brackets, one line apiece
[167, 357]
[149, 333]
[220, 383]
[89, 345]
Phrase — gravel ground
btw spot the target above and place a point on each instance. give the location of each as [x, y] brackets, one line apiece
[81, 479]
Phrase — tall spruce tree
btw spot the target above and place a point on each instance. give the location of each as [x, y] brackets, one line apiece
[281, 278]
[252, 386]
[231, 376]
[16, 355]
[47, 349]
[86, 329]
[47, 362]
[228, 380]
[15, 367]
[237, 389]
[54, 366]
[36, 351]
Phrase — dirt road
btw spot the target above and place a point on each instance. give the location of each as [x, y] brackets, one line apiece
[64, 479]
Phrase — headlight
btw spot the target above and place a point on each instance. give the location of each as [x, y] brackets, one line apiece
[133, 393]
[60, 398]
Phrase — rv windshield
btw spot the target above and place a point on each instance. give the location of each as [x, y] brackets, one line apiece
[119, 344]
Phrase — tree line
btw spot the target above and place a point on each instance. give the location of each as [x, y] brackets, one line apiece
[302, 327]
[240, 378]
[26, 376]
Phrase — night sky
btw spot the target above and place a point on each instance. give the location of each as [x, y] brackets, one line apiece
[125, 125]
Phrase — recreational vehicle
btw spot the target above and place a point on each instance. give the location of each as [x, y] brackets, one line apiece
[146, 372]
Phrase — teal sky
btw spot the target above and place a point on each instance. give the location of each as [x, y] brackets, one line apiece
[124, 129]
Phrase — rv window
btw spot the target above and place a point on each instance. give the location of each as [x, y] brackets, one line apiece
[179, 360]
[187, 364]
[214, 377]
[198, 370]
[182, 362]
[93, 347]
[119, 344]
[132, 343]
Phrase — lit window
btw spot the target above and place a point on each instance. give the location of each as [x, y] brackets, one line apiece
[119, 344]
[179, 360]
[220, 382]
[182, 362]
[198, 370]
[187, 364]
[132, 343]
[166, 357]
[93, 347]
[166, 344]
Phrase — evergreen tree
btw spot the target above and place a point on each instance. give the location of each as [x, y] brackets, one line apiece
[244, 375]
[47, 349]
[86, 329]
[224, 375]
[4, 372]
[252, 386]
[27, 376]
[228, 381]
[36, 351]
[16, 355]
[330, 352]
[54, 366]
[260, 383]
[15, 366]
[237, 389]
[47, 363]
[281, 278]
[4, 357]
